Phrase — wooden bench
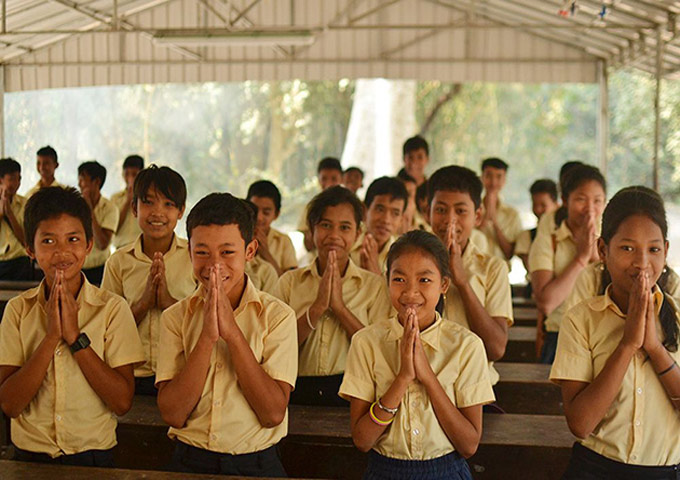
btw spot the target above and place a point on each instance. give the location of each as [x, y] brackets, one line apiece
[319, 443]
[521, 345]
[525, 388]
[525, 316]
[35, 471]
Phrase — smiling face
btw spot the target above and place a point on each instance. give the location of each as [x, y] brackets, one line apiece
[329, 177]
[87, 183]
[493, 179]
[638, 245]
[415, 162]
[589, 197]
[10, 182]
[266, 212]
[46, 167]
[454, 206]
[542, 202]
[336, 230]
[156, 214]
[352, 180]
[60, 243]
[383, 217]
[129, 175]
[415, 282]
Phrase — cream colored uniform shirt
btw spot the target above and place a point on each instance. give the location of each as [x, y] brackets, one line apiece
[10, 247]
[458, 359]
[66, 416]
[128, 230]
[126, 273]
[641, 426]
[479, 240]
[106, 214]
[523, 243]
[509, 223]
[355, 252]
[223, 421]
[262, 274]
[325, 350]
[488, 278]
[37, 187]
[281, 248]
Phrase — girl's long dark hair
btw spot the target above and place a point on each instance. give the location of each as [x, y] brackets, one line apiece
[639, 200]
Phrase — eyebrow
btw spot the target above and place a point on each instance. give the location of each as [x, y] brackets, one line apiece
[633, 240]
[422, 272]
[326, 219]
[227, 244]
[47, 234]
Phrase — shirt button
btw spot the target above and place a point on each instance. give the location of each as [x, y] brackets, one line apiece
[633, 457]
[58, 352]
[637, 423]
[219, 365]
[416, 431]
[58, 417]
[213, 436]
[216, 403]
[639, 391]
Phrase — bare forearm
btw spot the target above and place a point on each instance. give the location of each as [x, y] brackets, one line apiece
[507, 246]
[268, 257]
[123, 214]
[348, 321]
[556, 291]
[140, 309]
[494, 334]
[21, 387]
[661, 361]
[102, 237]
[16, 227]
[114, 389]
[178, 398]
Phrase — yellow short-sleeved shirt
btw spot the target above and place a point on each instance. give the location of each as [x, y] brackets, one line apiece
[262, 274]
[458, 359]
[106, 214]
[419, 222]
[223, 421]
[126, 273]
[10, 247]
[67, 416]
[128, 230]
[641, 426]
[38, 186]
[281, 248]
[523, 243]
[509, 223]
[325, 350]
[355, 252]
[488, 278]
[479, 240]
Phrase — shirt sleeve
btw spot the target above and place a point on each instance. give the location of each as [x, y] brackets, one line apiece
[109, 217]
[111, 280]
[357, 381]
[289, 259]
[541, 253]
[11, 353]
[523, 243]
[281, 289]
[268, 277]
[280, 352]
[122, 345]
[584, 287]
[498, 292]
[473, 386]
[514, 226]
[171, 357]
[381, 306]
[573, 360]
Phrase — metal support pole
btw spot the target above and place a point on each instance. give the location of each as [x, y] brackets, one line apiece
[4, 16]
[2, 111]
[603, 116]
[657, 104]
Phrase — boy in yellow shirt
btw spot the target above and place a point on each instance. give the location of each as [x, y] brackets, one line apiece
[91, 178]
[228, 356]
[128, 229]
[353, 179]
[67, 348]
[273, 246]
[479, 297]
[152, 273]
[14, 262]
[46, 163]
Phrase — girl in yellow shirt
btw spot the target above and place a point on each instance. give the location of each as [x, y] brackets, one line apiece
[617, 353]
[416, 382]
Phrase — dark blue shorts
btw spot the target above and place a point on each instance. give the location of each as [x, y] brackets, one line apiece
[448, 467]
[89, 458]
[189, 459]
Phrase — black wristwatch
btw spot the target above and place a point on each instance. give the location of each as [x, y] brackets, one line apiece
[83, 341]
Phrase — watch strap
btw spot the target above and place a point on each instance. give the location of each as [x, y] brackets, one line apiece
[83, 341]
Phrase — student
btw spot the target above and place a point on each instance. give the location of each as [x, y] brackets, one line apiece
[353, 179]
[151, 273]
[547, 222]
[543, 200]
[479, 295]
[500, 222]
[412, 219]
[67, 348]
[556, 258]
[328, 174]
[14, 262]
[128, 228]
[332, 297]
[385, 202]
[617, 353]
[416, 382]
[91, 178]
[274, 247]
[46, 164]
[416, 154]
[260, 273]
[228, 356]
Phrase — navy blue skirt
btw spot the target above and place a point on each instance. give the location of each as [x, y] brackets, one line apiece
[448, 467]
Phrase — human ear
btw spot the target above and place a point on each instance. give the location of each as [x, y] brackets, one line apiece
[251, 249]
[478, 217]
[602, 250]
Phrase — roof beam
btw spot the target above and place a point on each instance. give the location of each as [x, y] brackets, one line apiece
[372, 11]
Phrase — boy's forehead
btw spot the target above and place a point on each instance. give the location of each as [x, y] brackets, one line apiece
[452, 197]
[215, 235]
[329, 171]
[62, 222]
[416, 153]
[388, 200]
[262, 202]
[493, 171]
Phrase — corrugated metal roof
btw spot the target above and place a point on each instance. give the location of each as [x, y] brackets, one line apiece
[64, 43]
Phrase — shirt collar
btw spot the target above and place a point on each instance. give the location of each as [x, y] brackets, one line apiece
[88, 293]
[563, 232]
[136, 248]
[352, 270]
[471, 251]
[604, 302]
[250, 295]
[430, 336]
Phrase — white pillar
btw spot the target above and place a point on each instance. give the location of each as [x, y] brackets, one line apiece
[2, 111]
[603, 116]
[657, 106]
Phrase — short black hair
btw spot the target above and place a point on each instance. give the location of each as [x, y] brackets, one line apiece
[329, 163]
[265, 189]
[49, 152]
[415, 143]
[332, 197]
[52, 202]
[544, 185]
[455, 179]
[566, 168]
[578, 175]
[222, 209]
[165, 180]
[133, 161]
[421, 194]
[494, 162]
[9, 165]
[386, 186]
[405, 177]
[354, 169]
[95, 170]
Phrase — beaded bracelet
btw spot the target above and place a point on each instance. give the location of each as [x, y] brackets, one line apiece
[309, 321]
[376, 420]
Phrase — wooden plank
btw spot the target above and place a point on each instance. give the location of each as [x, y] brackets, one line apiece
[521, 345]
[18, 284]
[525, 316]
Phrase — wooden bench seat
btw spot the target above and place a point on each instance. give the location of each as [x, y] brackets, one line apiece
[525, 316]
[521, 345]
[525, 388]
